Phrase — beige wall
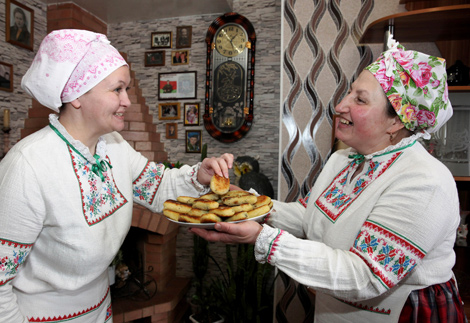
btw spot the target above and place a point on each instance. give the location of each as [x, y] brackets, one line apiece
[321, 57]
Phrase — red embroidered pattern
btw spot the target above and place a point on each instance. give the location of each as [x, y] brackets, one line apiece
[68, 317]
[15, 244]
[333, 202]
[98, 205]
[366, 307]
[274, 245]
[146, 185]
[388, 255]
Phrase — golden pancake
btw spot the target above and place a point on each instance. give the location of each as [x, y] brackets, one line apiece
[210, 218]
[243, 207]
[219, 185]
[223, 211]
[237, 200]
[197, 212]
[205, 204]
[258, 211]
[235, 193]
[176, 206]
[262, 200]
[189, 219]
[186, 199]
[237, 217]
[210, 196]
[171, 214]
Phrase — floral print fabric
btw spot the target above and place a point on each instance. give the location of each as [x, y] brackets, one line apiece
[416, 86]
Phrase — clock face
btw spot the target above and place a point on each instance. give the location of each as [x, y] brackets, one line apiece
[230, 40]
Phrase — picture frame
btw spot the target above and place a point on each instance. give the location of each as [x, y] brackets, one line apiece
[177, 85]
[169, 111]
[193, 141]
[161, 39]
[6, 77]
[172, 130]
[191, 114]
[180, 57]
[183, 36]
[155, 58]
[18, 14]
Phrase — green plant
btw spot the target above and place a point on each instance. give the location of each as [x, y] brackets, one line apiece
[245, 291]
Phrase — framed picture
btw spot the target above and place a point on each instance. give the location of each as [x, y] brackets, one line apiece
[169, 111]
[19, 24]
[183, 36]
[161, 39]
[175, 86]
[6, 77]
[191, 114]
[171, 131]
[193, 141]
[155, 58]
[179, 57]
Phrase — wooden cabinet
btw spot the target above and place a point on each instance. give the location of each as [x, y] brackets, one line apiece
[448, 26]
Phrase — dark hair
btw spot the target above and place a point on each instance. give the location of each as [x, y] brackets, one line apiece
[21, 12]
[390, 110]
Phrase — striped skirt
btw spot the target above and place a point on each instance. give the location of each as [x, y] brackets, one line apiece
[440, 303]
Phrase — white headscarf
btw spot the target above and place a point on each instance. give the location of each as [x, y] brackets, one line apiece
[69, 63]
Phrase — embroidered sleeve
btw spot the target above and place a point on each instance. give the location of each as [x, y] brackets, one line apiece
[266, 243]
[155, 185]
[146, 185]
[388, 255]
[12, 254]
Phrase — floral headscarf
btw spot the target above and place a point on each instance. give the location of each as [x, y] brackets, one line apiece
[416, 86]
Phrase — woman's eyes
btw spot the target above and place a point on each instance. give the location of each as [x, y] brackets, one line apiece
[119, 89]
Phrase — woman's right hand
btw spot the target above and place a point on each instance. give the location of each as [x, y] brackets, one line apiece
[243, 232]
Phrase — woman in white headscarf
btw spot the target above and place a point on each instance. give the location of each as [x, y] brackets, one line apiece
[66, 191]
[374, 237]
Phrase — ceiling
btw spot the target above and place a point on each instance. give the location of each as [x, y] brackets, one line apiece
[115, 11]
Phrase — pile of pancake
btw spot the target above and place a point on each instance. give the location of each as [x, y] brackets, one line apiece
[218, 205]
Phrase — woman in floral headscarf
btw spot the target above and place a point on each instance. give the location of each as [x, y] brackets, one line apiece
[374, 237]
[67, 191]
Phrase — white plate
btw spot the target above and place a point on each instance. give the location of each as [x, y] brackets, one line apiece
[258, 218]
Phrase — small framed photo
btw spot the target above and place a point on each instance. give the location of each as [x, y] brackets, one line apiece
[169, 111]
[161, 39]
[171, 131]
[191, 114]
[6, 77]
[19, 24]
[177, 86]
[179, 57]
[193, 141]
[183, 36]
[155, 58]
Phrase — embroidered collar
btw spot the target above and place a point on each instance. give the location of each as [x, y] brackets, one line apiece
[404, 143]
[98, 162]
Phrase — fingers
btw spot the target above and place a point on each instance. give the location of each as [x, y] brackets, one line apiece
[245, 232]
[219, 166]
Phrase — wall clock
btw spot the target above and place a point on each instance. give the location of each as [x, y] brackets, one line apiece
[230, 72]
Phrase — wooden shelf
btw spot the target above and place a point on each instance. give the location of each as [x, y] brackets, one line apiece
[425, 25]
[463, 88]
[462, 178]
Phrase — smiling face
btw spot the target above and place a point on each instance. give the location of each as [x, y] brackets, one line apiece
[363, 123]
[104, 105]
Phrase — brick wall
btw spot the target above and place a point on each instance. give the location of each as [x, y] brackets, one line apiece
[69, 15]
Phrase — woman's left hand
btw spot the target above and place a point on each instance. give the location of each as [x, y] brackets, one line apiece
[213, 165]
[243, 232]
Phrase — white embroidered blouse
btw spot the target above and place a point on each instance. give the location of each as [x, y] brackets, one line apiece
[64, 215]
[365, 243]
